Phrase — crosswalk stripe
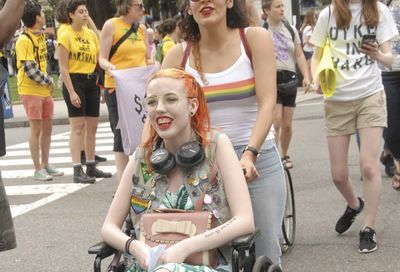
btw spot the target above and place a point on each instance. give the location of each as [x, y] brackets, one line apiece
[68, 171]
[56, 191]
[18, 157]
[59, 144]
[66, 137]
[53, 161]
[55, 151]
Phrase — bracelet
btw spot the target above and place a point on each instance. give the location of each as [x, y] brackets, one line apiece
[251, 149]
[128, 244]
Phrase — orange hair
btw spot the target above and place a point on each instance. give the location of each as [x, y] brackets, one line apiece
[200, 121]
[342, 13]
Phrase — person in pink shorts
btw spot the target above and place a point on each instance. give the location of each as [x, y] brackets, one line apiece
[35, 87]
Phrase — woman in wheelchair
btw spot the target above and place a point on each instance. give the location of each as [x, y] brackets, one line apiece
[182, 165]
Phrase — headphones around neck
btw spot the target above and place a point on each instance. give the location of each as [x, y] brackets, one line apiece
[188, 155]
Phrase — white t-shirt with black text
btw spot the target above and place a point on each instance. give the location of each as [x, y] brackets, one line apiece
[357, 75]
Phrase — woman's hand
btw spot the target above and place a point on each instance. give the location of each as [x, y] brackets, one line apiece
[173, 254]
[142, 253]
[249, 169]
[371, 50]
[75, 100]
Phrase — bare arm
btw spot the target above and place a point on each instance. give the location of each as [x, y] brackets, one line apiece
[91, 25]
[264, 66]
[315, 60]
[10, 17]
[238, 198]
[119, 209]
[382, 53]
[106, 39]
[63, 60]
[302, 64]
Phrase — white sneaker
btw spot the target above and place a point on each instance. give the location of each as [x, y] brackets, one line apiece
[42, 175]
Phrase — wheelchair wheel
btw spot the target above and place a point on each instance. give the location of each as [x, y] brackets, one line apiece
[289, 219]
[264, 264]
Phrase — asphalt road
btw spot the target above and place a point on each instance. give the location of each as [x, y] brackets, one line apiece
[56, 236]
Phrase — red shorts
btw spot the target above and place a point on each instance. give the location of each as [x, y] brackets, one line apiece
[38, 107]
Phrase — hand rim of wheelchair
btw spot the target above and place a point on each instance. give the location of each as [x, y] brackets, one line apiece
[264, 263]
[289, 220]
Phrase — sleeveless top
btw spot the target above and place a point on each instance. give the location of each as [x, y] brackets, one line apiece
[150, 189]
[231, 98]
[131, 53]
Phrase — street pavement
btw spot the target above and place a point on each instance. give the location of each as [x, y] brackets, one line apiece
[57, 221]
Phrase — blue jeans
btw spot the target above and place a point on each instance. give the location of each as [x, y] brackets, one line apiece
[268, 197]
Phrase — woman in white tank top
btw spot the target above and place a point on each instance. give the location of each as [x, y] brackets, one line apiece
[241, 96]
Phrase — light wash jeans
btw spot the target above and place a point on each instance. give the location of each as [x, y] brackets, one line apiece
[268, 197]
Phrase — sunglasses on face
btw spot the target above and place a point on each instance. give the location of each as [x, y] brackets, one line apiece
[140, 6]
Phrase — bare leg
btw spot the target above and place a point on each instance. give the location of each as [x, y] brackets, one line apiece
[372, 181]
[45, 141]
[277, 123]
[286, 133]
[34, 142]
[91, 124]
[338, 152]
[121, 160]
[77, 125]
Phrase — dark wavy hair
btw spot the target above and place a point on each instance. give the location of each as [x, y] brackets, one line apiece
[236, 17]
[73, 6]
[61, 12]
[31, 10]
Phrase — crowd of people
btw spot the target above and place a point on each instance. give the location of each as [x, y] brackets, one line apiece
[227, 85]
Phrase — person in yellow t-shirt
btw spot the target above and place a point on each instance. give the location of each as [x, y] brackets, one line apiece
[133, 52]
[77, 52]
[35, 87]
[61, 16]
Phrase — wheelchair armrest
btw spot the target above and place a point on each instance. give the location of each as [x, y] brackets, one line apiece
[102, 250]
[245, 242]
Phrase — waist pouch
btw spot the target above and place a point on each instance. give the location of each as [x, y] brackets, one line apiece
[287, 83]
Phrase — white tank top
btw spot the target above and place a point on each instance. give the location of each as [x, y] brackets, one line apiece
[231, 99]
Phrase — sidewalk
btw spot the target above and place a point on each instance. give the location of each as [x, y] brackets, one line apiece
[61, 114]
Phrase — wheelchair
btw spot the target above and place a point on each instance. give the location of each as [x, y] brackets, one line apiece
[243, 257]
[289, 218]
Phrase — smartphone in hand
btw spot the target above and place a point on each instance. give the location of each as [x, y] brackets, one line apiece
[368, 38]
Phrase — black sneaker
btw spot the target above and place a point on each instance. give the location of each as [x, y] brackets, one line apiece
[92, 171]
[347, 219]
[388, 162]
[367, 240]
[98, 158]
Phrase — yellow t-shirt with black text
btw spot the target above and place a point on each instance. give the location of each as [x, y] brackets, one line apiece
[61, 30]
[26, 51]
[83, 47]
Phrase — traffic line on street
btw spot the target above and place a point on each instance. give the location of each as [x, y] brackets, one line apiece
[59, 144]
[56, 191]
[68, 171]
[66, 137]
[54, 151]
[53, 161]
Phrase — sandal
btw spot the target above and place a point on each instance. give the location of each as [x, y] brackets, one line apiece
[287, 162]
[396, 181]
